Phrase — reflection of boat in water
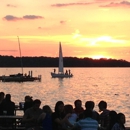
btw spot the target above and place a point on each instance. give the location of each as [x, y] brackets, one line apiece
[61, 73]
[20, 77]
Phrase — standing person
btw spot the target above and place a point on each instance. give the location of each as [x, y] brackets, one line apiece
[31, 115]
[78, 107]
[87, 123]
[119, 125]
[59, 119]
[46, 118]
[104, 116]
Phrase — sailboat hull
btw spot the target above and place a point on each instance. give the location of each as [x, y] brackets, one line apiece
[60, 75]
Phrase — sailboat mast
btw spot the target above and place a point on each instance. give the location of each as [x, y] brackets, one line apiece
[20, 55]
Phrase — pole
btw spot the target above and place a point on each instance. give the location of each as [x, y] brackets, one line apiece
[20, 55]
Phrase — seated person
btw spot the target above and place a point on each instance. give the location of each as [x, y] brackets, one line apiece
[32, 114]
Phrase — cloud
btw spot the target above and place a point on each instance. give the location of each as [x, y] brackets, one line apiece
[11, 18]
[8, 50]
[39, 27]
[14, 18]
[62, 22]
[32, 17]
[120, 4]
[10, 5]
[69, 4]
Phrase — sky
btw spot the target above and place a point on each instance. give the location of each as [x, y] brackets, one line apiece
[86, 28]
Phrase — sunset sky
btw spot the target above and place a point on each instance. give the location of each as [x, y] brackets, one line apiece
[86, 28]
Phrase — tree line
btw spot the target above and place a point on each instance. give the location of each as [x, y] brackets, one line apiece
[42, 61]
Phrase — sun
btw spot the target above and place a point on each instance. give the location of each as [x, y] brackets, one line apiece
[99, 57]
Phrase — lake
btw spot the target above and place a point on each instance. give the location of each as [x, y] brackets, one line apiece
[109, 84]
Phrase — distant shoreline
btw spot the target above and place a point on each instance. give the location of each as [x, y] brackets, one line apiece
[10, 61]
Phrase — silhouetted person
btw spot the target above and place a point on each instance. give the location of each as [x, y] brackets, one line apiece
[104, 116]
[8, 105]
[32, 114]
[28, 102]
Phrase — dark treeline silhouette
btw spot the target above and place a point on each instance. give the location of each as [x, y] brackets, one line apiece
[10, 61]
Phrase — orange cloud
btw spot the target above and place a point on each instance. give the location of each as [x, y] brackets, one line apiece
[14, 18]
[120, 4]
[11, 18]
[10, 5]
[62, 22]
[32, 17]
[69, 4]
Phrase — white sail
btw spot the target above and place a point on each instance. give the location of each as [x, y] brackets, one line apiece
[61, 70]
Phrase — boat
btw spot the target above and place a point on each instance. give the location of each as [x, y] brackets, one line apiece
[20, 77]
[61, 73]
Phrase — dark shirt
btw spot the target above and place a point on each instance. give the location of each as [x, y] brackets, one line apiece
[78, 111]
[9, 107]
[104, 118]
[56, 126]
[47, 122]
[27, 105]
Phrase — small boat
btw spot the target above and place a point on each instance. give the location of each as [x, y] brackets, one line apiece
[61, 73]
[20, 77]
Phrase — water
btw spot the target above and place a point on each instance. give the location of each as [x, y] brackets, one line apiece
[109, 84]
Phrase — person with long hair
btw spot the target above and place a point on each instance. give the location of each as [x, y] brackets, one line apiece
[45, 118]
[59, 119]
[119, 125]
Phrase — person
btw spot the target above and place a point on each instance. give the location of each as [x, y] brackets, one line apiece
[90, 105]
[8, 109]
[66, 72]
[45, 118]
[8, 105]
[28, 103]
[73, 117]
[112, 119]
[69, 72]
[31, 115]
[104, 116]
[59, 119]
[119, 125]
[78, 107]
[87, 123]
[2, 96]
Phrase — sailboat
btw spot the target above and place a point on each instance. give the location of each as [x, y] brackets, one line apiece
[61, 73]
[20, 77]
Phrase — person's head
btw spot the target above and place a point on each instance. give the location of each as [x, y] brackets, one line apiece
[102, 105]
[28, 98]
[88, 113]
[89, 105]
[36, 104]
[68, 108]
[78, 103]
[121, 118]
[8, 97]
[47, 109]
[2, 95]
[59, 107]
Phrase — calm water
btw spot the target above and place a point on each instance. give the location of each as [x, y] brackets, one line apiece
[109, 84]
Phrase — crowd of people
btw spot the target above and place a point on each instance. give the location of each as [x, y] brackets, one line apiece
[64, 116]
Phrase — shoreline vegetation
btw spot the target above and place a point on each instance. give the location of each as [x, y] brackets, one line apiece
[42, 61]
